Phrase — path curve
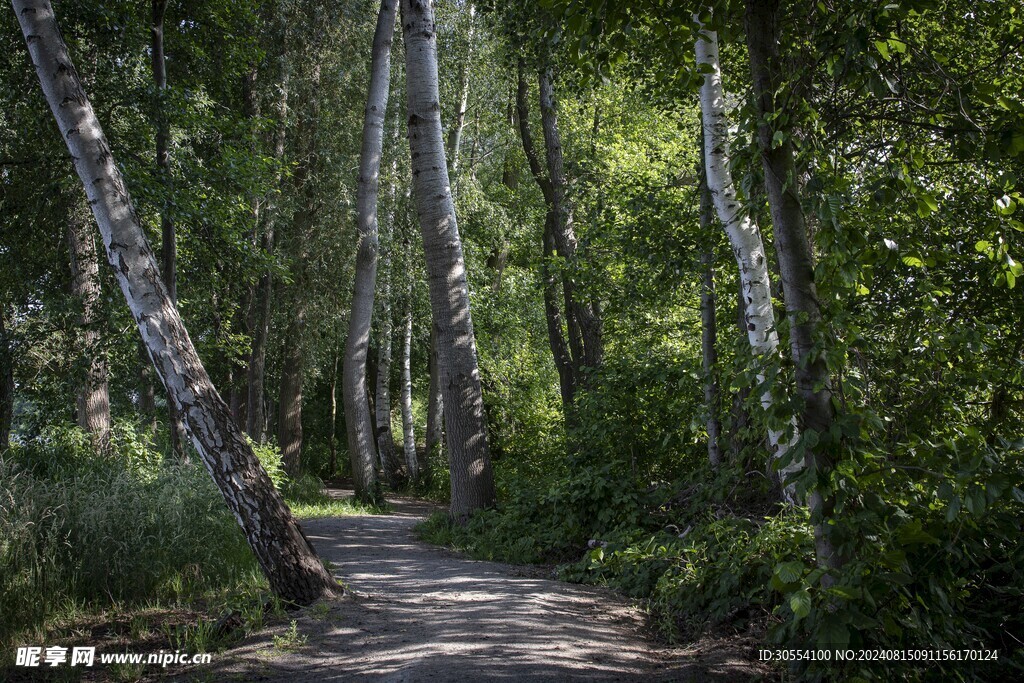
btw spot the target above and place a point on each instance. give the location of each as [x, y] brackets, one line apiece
[422, 613]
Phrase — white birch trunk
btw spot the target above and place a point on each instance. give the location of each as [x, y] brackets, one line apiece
[744, 235]
[291, 565]
[361, 446]
[472, 480]
[408, 433]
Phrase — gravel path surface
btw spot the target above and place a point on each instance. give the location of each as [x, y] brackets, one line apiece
[417, 612]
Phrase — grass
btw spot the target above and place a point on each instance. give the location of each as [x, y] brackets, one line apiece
[130, 552]
[325, 506]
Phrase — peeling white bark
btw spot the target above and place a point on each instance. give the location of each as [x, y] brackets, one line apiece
[291, 565]
[361, 442]
[744, 235]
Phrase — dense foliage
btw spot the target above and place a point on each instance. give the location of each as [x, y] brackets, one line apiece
[907, 124]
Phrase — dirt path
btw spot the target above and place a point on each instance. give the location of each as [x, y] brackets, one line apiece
[422, 613]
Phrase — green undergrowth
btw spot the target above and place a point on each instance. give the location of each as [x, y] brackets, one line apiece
[717, 555]
[129, 542]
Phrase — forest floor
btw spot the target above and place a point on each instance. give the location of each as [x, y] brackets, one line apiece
[417, 612]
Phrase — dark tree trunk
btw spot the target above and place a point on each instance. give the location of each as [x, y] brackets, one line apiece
[6, 383]
[146, 388]
[472, 480]
[709, 331]
[740, 416]
[582, 314]
[333, 465]
[291, 565]
[256, 419]
[795, 262]
[93, 402]
[168, 244]
[560, 351]
[289, 420]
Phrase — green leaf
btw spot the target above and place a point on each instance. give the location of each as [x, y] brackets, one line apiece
[883, 49]
[790, 572]
[800, 603]
[777, 139]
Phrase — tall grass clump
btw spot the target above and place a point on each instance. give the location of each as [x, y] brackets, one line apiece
[80, 528]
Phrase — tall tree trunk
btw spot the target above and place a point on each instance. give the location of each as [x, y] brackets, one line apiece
[740, 415]
[560, 351]
[472, 480]
[147, 392]
[354, 385]
[556, 340]
[408, 433]
[455, 133]
[289, 419]
[435, 409]
[333, 465]
[256, 419]
[795, 263]
[93, 402]
[6, 383]
[582, 314]
[291, 565]
[168, 244]
[743, 233]
[709, 331]
[385, 440]
[289, 424]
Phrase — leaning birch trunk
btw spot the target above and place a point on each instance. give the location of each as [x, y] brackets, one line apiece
[472, 480]
[709, 331]
[796, 266]
[93, 401]
[743, 233]
[291, 565]
[358, 420]
[408, 433]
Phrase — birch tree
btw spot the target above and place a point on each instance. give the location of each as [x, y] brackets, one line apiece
[354, 384]
[472, 480]
[408, 428]
[287, 559]
[744, 235]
